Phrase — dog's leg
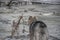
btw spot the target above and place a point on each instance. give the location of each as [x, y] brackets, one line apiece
[31, 35]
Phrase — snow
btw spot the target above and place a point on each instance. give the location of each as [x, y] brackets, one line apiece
[52, 22]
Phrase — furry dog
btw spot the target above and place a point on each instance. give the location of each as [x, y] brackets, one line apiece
[31, 19]
[38, 31]
[15, 26]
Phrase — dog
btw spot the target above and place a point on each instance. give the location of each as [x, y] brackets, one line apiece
[15, 26]
[38, 31]
[31, 19]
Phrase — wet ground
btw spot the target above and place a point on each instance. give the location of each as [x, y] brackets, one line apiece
[43, 13]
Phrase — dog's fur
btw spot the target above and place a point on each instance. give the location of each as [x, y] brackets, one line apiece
[31, 19]
[38, 31]
[15, 26]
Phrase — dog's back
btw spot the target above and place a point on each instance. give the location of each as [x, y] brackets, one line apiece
[38, 31]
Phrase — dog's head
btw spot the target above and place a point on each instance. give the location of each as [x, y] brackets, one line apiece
[31, 19]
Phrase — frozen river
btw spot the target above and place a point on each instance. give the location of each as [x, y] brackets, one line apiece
[8, 15]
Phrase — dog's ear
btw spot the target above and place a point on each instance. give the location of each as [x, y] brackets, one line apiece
[34, 18]
[30, 20]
